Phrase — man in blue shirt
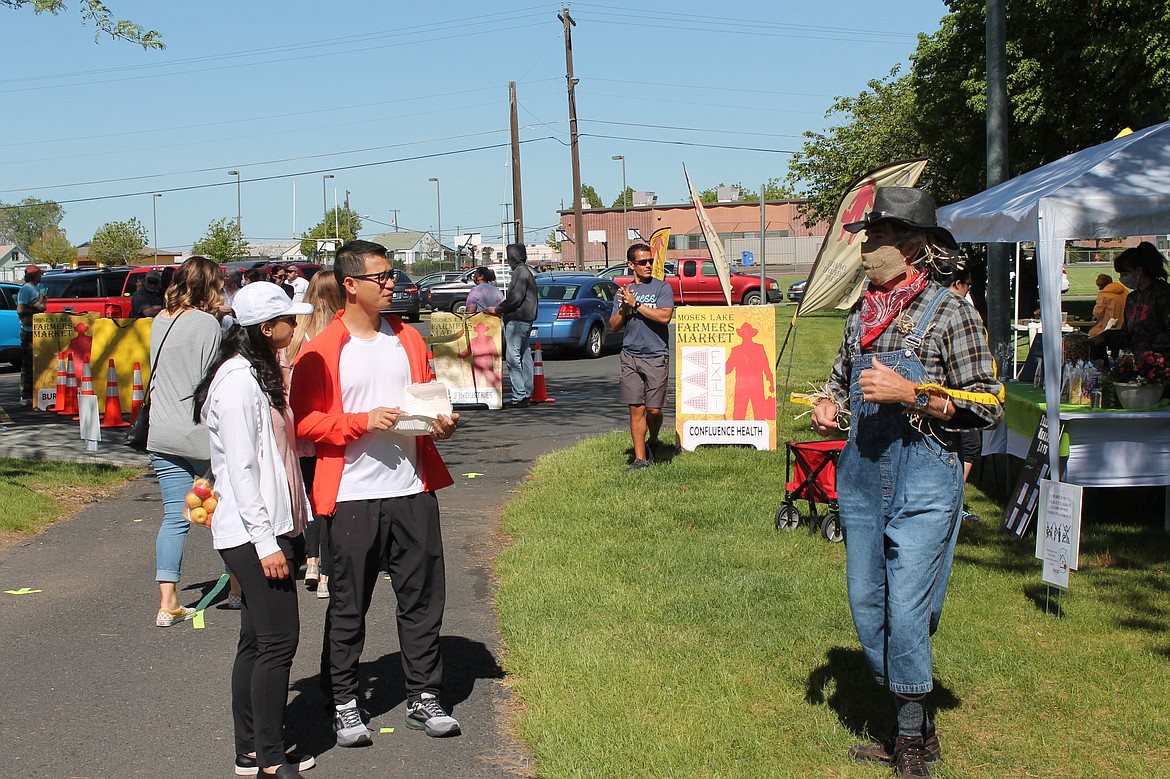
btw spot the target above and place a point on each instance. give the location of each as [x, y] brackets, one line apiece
[644, 309]
[29, 301]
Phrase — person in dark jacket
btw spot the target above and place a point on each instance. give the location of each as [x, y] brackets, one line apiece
[518, 312]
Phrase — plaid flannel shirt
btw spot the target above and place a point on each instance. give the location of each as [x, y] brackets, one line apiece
[954, 354]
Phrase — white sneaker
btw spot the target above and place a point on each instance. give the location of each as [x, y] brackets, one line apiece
[426, 714]
[350, 729]
[323, 586]
[166, 617]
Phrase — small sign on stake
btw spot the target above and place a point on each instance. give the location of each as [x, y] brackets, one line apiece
[1058, 533]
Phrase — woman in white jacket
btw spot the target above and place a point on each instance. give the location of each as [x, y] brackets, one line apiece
[260, 516]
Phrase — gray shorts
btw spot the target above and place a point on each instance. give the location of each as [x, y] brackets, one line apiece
[643, 380]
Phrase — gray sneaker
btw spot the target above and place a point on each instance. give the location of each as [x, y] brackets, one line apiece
[638, 465]
[426, 714]
[350, 729]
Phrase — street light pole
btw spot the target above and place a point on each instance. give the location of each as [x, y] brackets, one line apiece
[325, 206]
[625, 202]
[154, 209]
[239, 211]
[439, 217]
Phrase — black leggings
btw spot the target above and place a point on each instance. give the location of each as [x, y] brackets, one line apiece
[269, 632]
[317, 532]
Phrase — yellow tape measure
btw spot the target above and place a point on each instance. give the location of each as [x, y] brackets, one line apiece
[984, 398]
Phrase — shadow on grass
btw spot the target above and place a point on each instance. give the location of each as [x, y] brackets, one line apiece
[23, 468]
[846, 685]
[308, 719]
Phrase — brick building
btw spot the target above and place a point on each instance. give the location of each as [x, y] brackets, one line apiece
[789, 243]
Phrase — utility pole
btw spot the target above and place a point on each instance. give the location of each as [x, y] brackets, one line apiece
[395, 220]
[519, 209]
[348, 218]
[578, 223]
[998, 254]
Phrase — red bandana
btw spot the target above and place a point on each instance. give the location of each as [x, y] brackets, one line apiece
[880, 307]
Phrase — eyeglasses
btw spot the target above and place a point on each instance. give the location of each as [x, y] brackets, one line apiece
[641, 262]
[379, 278]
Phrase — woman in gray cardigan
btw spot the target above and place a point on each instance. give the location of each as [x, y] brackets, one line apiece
[184, 341]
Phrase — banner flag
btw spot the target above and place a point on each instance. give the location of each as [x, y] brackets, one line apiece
[837, 278]
[714, 245]
[658, 243]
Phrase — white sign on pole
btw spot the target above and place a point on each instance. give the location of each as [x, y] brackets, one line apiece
[1058, 534]
[596, 236]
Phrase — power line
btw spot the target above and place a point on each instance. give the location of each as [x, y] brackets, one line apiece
[277, 177]
[687, 143]
[692, 129]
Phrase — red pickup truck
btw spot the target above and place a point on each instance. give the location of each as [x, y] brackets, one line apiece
[695, 281]
[106, 291]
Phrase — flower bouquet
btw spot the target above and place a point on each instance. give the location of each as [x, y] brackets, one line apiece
[1139, 381]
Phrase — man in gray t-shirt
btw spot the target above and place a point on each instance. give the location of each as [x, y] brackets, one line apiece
[643, 309]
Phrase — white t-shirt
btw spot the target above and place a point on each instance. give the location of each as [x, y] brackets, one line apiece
[382, 463]
[299, 285]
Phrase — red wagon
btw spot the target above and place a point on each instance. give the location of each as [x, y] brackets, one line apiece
[810, 469]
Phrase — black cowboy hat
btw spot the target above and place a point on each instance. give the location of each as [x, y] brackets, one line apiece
[907, 206]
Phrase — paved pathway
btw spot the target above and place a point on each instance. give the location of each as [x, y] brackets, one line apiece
[92, 689]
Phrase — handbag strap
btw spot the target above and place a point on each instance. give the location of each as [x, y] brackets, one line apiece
[158, 357]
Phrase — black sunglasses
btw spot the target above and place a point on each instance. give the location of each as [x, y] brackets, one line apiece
[380, 278]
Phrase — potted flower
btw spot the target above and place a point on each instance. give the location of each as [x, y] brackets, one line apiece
[1139, 381]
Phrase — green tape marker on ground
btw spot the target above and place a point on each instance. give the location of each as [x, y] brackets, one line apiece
[201, 606]
[138, 520]
[385, 730]
[473, 475]
[29, 591]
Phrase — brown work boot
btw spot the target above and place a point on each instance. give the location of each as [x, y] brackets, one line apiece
[883, 751]
[910, 758]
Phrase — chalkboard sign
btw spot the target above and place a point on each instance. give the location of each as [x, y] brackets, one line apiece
[1022, 506]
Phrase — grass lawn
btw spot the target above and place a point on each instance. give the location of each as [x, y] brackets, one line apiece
[34, 493]
[658, 626]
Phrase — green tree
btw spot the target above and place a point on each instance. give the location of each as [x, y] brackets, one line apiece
[100, 16]
[1077, 75]
[339, 222]
[117, 243]
[774, 189]
[24, 222]
[624, 199]
[486, 254]
[552, 240]
[222, 242]
[53, 247]
[872, 129]
[589, 195]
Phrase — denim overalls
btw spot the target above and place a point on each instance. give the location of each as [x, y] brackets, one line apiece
[900, 497]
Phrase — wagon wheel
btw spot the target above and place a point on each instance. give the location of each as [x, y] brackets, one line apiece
[787, 517]
[831, 528]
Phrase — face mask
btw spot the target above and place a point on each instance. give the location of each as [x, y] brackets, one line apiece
[882, 263]
[1129, 280]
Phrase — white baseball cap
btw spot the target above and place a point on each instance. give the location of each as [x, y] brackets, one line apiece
[262, 301]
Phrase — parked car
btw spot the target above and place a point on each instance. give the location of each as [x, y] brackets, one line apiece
[696, 281]
[442, 277]
[106, 291]
[613, 271]
[307, 269]
[406, 302]
[796, 290]
[452, 295]
[573, 313]
[9, 325]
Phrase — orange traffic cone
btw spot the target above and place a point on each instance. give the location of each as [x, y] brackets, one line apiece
[113, 415]
[62, 382]
[86, 388]
[137, 393]
[539, 393]
[431, 362]
[70, 406]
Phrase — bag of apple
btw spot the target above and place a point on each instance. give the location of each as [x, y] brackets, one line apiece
[201, 502]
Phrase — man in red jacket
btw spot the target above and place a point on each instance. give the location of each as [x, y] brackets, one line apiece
[377, 487]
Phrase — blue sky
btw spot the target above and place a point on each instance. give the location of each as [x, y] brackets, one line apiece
[385, 95]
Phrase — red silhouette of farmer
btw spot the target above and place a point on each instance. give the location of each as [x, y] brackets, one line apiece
[857, 208]
[485, 359]
[79, 347]
[750, 362]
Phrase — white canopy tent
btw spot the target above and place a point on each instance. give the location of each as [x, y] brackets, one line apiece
[1116, 189]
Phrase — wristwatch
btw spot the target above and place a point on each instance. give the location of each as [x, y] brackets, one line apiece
[637, 303]
[921, 401]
